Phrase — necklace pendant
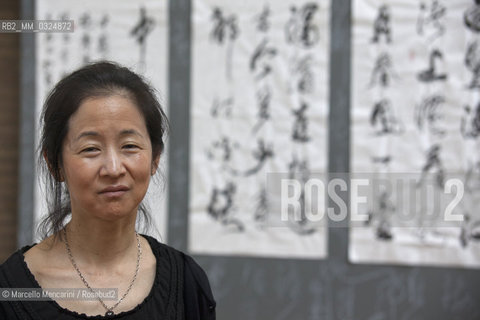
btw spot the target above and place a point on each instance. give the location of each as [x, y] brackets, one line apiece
[109, 313]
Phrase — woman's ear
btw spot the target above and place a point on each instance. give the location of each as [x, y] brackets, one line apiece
[155, 163]
[60, 178]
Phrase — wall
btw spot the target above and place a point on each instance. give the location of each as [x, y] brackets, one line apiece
[9, 117]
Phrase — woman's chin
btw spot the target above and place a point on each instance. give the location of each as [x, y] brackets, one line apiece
[116, 214]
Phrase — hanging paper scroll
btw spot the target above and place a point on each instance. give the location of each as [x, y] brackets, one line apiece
[132, 33]
[258, 109]
[416, 131]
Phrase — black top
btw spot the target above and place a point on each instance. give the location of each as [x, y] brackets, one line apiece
[180, 291]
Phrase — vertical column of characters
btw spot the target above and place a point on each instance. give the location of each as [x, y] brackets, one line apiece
[103, 41]
[383, 120]
[261, 69]
[429, 111]
[48, 53]
[224, 32]
[302, 36]
[140, 31]
[470, 127]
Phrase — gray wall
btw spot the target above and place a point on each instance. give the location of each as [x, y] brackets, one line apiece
[260, 288]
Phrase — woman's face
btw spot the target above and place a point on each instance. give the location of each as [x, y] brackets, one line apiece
[107, 158]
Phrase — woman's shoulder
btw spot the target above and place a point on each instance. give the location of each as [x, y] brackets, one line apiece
[198, 296]
[6, 265]
[189, 263]
[13, 275]
[13, 267]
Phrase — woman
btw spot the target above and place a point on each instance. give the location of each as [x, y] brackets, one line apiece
[101, 143]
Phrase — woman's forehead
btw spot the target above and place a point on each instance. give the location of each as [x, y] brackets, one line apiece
[115, 114]
[109, 108]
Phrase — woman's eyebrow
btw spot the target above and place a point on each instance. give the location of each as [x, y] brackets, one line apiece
[124, 132]
[130, 132]
[87, 134]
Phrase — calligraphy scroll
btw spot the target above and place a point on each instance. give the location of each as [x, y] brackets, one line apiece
[415, 128]
[259, 108]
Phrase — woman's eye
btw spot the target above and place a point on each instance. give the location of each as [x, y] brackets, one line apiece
[90, 149]
[130, 146]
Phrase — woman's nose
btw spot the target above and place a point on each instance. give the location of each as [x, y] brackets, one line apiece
[112, 164]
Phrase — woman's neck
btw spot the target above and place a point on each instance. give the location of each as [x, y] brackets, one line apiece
[101, 244]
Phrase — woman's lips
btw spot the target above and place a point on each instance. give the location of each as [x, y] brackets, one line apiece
[113, 194]
[114, 191]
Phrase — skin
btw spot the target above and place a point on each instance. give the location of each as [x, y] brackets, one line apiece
[107, 144]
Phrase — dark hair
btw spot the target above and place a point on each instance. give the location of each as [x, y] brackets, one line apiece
[98, 79]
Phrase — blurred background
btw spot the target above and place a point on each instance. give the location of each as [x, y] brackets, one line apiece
[260, 91]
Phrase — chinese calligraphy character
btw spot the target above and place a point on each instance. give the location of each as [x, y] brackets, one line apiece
[222, 107]
[262, 19]
[225, 29]
[260, 58]
[433, 164]
[261, 155]
[428, 112]
[432, 16]
[140, 32]
[382, 71]
[381, 25]
[383, 211]
[470, 124]
[300, 126]
[471, 17]
[382, 116]
[472, 62]
[470, 230]
[261, 208]
[302, 68]
[220, 206]
[221, 149]
[430, 74]
[86, 23]
[263, 97]
[298, 222]
[103, 39]
[300, 29]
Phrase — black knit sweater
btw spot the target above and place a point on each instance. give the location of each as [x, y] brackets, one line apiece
[181, 291]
